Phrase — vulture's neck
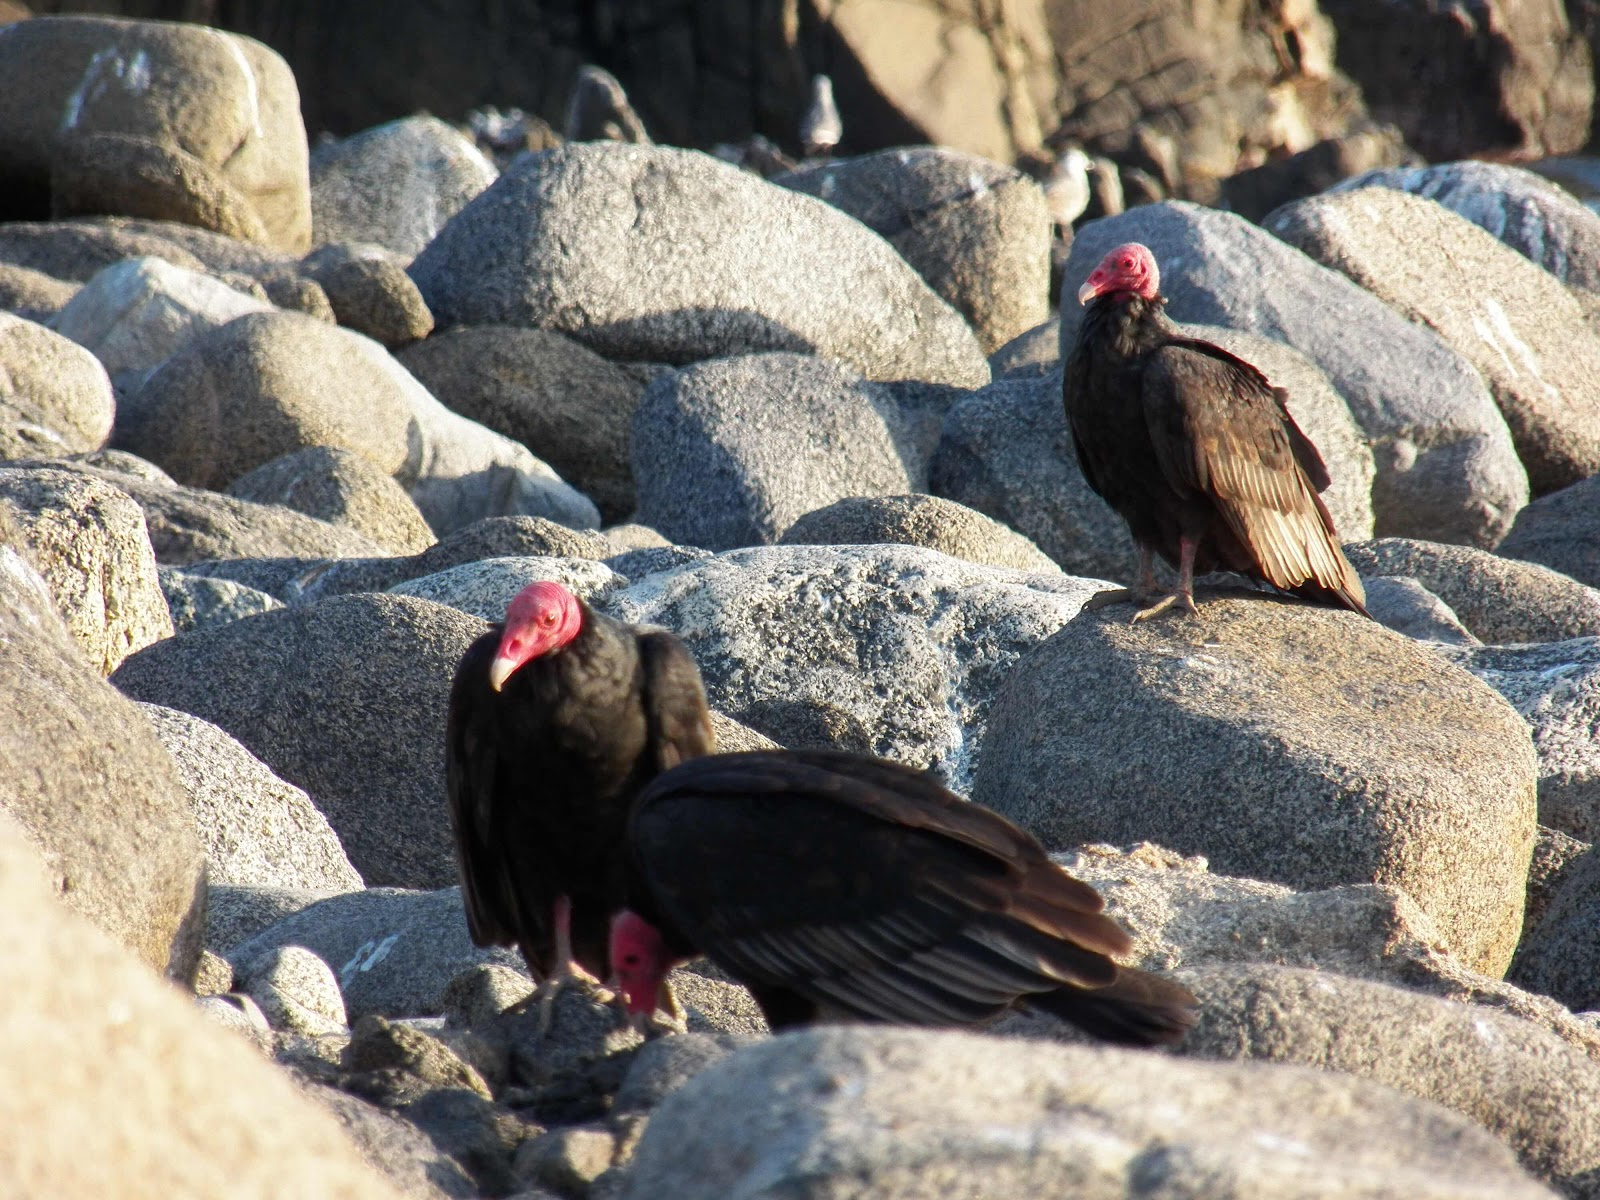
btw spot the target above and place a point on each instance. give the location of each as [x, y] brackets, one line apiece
[1126, 325]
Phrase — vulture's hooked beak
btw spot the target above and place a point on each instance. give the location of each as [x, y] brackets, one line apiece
[500, 671]
[1088, 291]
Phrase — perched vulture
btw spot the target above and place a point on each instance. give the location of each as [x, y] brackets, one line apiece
[840, 886]
[557, 719]
[1195, 449]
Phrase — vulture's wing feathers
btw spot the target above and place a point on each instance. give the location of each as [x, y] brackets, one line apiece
[1219, 429]
[674, 701]
[865, 886]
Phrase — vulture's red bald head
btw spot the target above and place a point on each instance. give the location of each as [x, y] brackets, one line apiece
[541, 618]
[1128, 268]
[640, 961]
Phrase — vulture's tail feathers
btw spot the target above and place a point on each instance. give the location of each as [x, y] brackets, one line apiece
[1139, 1009]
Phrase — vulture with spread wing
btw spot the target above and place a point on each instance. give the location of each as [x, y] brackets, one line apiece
[840, 886]
[557, 719]
[1195, 449]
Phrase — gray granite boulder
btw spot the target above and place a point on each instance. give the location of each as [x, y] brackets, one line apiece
[484, 588]
[256, 829]
[1516, 323]
[1561, 957]
[561, 400]
[55, 397]
[1384, 763]
[977, 231]
[906, 644]
[1561, 531]
[664, 255]
[87, 538]
[393, 952]
[1406, 606]
[1555, 686]
[1556, 856]
[917, 1115]
[1520, 1083]
[296, 992]
[236, 912]
[367, 744]
[1445, 465]
[1536, 218]
[732, 452]
[33, 295]
[343, 488]
[78, 249]
[372, 295]
[135, 315]
[918, 520]
[1498, 599]
[88, 783]
[395, 184]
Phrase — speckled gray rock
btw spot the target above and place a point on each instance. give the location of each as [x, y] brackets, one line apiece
[76, 250]
[1446, 467]
[909, 643]
[395, 184]
[1498, 599]
[481, 993]
[196, 602]
[1035, 351]
[341, 487]
[55, 397]
[1515, 322]
[1006, 452]
[918, 520]
[566, 1160]
[1561, 956]
[393, 951]
[485, 588]
[834, 1112]
[256, 829]
[1556, 688]
[1561, 531]
[133, 316]
[393, 1147]
[32, 294]
[376, 765]
[978, 232]
[237, 912]
[1518, 1082]
[374, 296]
[664, 1065]
[1385, 763]
[1556, 856]
[732, 452]
[1406, 606]
[87, 538]
[561, 400]
[296, 991]
[1527, 212]
[85, 778]
[664, 255]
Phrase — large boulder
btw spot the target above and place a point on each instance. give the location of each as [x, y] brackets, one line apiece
[978, 232]
[902, 645]
[257, 830]
[87, 538]
[559, 399]
[91, 787]
[79, 249]
[1446, 466]
[917, 1115]
[101, 1053]
[1519, 1082]
[1498, 599]
[1384, 763]
[341, 487]
[664, 255]
[395, 184]
[732, 452]
[918, 520]
[225, 101]
[366, 744]
[1536, 218]
[1516, 323]
[55, 397]
[33, 294]
[1505, 79]
[1561, 957]
[1561, 531]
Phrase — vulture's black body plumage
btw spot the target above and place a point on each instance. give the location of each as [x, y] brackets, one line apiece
[836, 885]
[1183, 439]
[541, 776]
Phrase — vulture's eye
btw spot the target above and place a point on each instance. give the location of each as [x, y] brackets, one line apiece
[630, 960]
[1127, 264]
[549, 618]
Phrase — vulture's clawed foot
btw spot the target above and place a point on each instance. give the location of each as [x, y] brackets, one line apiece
[543, 997]
[1111, 596]
[1183, 600]
[668, 1016]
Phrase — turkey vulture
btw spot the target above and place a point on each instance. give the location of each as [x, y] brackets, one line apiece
[838, 885]
[1195, 449]
[557, 719]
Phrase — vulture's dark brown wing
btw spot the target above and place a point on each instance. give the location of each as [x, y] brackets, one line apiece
[864, 887]
[674, 701]
[475, 774]
[1218, 429]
